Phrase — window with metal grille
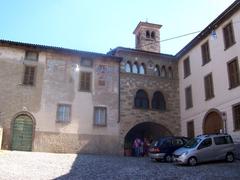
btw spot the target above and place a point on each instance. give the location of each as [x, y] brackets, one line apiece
[205, 53]
[233, 73]
[236, 116]
[141, 100]
[208, 84]
[85, 81]
[100, 116]
[228, 35]
[186, 67]
[29, 75]
[188, 97]
[63, 113]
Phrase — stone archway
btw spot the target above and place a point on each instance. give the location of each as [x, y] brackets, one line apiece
[149, 130]
[213, 122]
[23, 126]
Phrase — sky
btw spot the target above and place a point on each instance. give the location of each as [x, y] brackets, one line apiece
[101, 25]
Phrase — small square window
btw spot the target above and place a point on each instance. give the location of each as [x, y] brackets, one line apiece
[86, 62]
[31, 55]
[63, 113]
[100, 116]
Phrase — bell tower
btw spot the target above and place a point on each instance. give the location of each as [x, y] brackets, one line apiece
[147, 37]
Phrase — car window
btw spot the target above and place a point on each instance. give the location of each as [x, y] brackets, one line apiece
[192, 143]
[205, 143]
[222, 140]
[177, 142]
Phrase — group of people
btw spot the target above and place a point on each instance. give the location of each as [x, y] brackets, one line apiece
[140, 147]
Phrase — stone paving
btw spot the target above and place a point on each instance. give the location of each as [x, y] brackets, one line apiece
[33, 165]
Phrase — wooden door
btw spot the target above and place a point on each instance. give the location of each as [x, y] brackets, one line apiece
[213, 123]
[190, 129]
[22, 133]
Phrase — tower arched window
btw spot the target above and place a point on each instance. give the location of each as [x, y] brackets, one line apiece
[141, 100]
[157, 70]
[163, 72]
[153, 35]
[158, 101]
[142, 69]
[170, 73]
[128, 67]
[147, 34]
[135, 68]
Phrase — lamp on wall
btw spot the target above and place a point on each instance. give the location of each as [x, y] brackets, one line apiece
[213, 35]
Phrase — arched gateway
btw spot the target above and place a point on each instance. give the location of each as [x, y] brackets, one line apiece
[212, 123]
[22, 133]
[149, 130]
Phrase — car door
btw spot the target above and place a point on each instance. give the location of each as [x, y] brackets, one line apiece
[205, 151]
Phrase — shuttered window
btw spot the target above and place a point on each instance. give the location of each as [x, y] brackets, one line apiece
[186, 67]
[63, 113]
[85, 81]
[233, 73]
[188, 97]
[29, 75]
[100, 116]
[208, 84]
[205, 53]
[228, 35]
[236, 116]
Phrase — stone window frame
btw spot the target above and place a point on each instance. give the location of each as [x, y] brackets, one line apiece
[29, 75]
[68, 120]
[85, 81]
[209, 87]
[139, 100]
[161, 101]
[96, 108]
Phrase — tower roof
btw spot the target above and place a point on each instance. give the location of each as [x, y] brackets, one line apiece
[146, 24]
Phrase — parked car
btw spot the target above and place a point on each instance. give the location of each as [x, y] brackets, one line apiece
[163, 148]
[205, 148]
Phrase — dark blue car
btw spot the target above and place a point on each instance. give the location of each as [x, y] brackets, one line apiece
[163, 148]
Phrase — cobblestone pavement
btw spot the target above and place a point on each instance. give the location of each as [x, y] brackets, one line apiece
[32, 165]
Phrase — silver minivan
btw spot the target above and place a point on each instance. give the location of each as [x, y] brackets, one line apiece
[205, 148]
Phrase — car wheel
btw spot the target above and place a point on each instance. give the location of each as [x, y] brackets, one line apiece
[192, 161]
[230, 157]
[168, 158]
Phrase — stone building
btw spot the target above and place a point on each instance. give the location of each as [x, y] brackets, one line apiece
[149, 93]
[57, 100]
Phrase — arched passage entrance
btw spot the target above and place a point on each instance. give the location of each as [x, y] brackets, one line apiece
[147, 130]
[22, 133]
[212, 123]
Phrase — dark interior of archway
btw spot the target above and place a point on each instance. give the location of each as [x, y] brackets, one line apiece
[148, 130]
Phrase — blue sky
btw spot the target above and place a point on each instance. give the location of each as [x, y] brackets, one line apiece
[98, 25]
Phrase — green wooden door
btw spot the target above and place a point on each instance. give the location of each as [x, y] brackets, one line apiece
[22, 133]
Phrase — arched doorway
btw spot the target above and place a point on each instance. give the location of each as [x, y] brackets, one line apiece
[213, 123]
[148, 130]
[22, 133]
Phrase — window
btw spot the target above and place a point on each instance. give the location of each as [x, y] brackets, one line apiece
[190, 129]
[188, 97]
[128, 67]
[63, 113]
[135, 68]
[142, 69]
[157, 70]
[31, 55]
[163, 71]
[141, 100]
[208, 84]
[236, 116]
[228, 35]
[85, 81]
[233, 73]
[100, 116]
[153, 35]
[29, 75]
[86, 62]
[170, 73]
[186, 67]
[223, 140]
[205, 143]
[147, 34]
[158, 101]
[205, 53]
